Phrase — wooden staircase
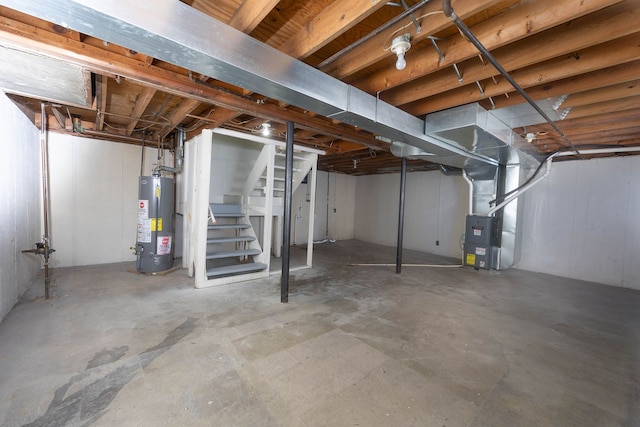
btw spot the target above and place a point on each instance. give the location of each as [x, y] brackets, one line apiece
[232, 251]
[232, 247]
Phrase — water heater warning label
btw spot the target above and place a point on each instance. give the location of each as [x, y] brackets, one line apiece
[471, 259]
[156, 224]
[143, 209]
[144, 231]
[164, 245]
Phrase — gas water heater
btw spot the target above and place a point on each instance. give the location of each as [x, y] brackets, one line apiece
[154, 242]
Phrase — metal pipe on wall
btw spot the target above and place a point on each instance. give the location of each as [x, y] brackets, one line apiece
[44, 147]
[288, 181]
[470, 184]
[178, 158]
[523, 189]
[403, 186]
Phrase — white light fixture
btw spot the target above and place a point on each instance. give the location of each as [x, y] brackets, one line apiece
[530, 137]
[400, 45]
[266, 129]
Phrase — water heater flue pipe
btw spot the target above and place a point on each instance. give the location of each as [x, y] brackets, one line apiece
[179, 157]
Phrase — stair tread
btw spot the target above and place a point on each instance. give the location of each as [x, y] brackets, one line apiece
[236, 269]
[231, 254]
[229, 226]
[227, 210]
[228, 214]
[231, 239]
[275, 178]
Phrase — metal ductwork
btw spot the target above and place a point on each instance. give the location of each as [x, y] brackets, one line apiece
[468, 137]
[179, 34]
[483, 132]
[45, 78]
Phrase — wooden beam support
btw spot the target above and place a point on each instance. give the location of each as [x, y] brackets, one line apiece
[373, 50]
[609, 76]
[566, 39]
[605, 107]
[521, 22]
[245, 18]
[330, 24]
[104, 62]
[250, 13]
[178, 115]
[615, 52]
[140, 105]
[625, 118]
[608, 93]
[101, 99]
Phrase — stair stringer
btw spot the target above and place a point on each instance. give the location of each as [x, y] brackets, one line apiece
[257, 171]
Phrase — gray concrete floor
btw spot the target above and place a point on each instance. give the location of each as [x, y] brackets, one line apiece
[355, 346]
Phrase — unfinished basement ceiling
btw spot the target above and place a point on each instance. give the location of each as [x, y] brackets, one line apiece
[583, 55]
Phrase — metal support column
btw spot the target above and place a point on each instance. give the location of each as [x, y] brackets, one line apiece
[288, 181]
[403, 184]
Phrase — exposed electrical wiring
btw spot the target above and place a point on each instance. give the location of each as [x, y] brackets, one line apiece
[118, 128]
[404, 27]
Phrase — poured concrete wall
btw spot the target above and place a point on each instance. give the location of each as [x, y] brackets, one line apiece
[94, 199]
[19, 203]
[582, 222]
[435, 210]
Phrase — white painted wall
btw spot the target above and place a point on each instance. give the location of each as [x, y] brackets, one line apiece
[94, 195]
[582, 222]
[335, 203]
[435, 208]
[20, 212]
[231, 162]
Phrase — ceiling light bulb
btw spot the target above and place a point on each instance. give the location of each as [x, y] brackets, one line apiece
[400, 45]
[266, 129]
[530, 136]
[401, 63]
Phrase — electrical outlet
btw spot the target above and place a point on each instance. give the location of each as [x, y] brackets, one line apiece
[437, 242]
[334, 210]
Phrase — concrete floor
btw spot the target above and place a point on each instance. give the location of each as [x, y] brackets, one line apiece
[355, 346]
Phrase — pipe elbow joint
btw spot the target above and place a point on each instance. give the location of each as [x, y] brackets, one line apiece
[448, 10]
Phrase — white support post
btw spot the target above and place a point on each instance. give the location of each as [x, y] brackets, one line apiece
[277, 237]
[268, 205]
[198, 214]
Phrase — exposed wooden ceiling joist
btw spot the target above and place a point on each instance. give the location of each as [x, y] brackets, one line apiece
[587, 52]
